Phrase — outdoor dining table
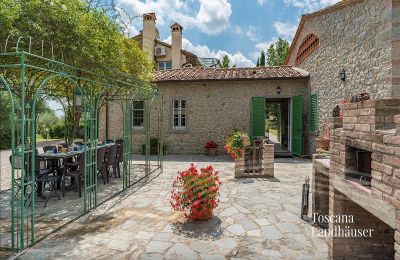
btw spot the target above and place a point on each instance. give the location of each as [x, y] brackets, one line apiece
[68, 155]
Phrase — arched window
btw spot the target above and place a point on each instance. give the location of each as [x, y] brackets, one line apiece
[308, 46]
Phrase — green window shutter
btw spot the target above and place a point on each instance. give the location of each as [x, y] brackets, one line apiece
[297, 126]
[313, 126]
[257, 117]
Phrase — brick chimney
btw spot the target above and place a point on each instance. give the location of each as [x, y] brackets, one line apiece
[149, 33]
[176, 31]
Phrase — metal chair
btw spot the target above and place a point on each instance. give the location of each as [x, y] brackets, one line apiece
[101, 166]
[119, 155]
[75, 171]
[111, 160]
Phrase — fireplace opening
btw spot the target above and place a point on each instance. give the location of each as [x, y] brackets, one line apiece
[359, 166]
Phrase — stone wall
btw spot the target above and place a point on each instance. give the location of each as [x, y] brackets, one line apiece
[213, 110]
[357, 38]
[370, 125]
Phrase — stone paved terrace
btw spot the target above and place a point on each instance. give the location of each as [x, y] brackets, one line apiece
[256, 219]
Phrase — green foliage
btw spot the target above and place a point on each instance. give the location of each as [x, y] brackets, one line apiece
[271, 121]
[5, 125]
[258, 62]
[277, 53]
[85, 36]
[262, 59]
[226, 61]
[45, 122]
[57, 131]
[235, 142]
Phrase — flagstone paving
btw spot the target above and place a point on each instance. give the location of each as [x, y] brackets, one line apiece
[256, 219]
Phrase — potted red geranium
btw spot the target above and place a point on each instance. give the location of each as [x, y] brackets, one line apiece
[196, 192]
[211, 146]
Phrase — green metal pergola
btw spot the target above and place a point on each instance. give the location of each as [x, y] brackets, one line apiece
[26, 75]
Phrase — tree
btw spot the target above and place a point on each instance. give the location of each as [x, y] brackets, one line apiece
[258, 62]
[262, 59]
[277, 53]
[225, 61]
[83, 35]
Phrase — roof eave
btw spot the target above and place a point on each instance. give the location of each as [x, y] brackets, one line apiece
[243, 79]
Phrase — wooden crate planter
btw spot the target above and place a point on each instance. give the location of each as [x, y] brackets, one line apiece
[257, 161]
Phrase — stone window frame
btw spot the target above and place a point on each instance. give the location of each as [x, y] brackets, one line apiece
[307, 47]
[180, 129]
[138, 128]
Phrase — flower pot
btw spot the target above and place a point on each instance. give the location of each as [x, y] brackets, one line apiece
[323, 144]
[212, 152]
[205, 214]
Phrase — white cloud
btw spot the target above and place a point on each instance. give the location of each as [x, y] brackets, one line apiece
[203, 51]
[310, 5]
[251, 32]
[212, 17]
[261, 2]
[286, 30]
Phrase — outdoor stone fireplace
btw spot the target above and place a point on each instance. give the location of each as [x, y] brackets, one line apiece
[363, 173]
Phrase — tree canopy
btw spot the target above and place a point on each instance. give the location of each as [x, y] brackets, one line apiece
[81, 35]
[87, 37]
[276, 54]
[226, 61]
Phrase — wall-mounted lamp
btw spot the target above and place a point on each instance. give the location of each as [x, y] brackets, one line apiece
[278, 90]
[342, 75]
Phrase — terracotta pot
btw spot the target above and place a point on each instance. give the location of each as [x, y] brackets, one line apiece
[205, 214]
[212, 152]
[323, 144]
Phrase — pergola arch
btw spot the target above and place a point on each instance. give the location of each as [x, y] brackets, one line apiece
[32, 76]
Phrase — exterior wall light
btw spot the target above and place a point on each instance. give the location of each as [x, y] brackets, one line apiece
[342, 75]
[278, 90]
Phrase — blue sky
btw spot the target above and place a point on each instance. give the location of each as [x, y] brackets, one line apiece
[213, 28]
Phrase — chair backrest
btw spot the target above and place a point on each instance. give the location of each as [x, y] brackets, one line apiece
[100, 157]
[16, 163]
[111, 154]
[119, 155]
[49, 148]
[64, 145]
[81, 163]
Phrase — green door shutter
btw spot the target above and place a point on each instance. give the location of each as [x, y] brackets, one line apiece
[257, 117]
[313, 113]
[297, 126]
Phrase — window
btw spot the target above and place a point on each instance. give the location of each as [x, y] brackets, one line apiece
[314, 113]
[179, 114]
[164, 65]
[308, 46]
[138, 115]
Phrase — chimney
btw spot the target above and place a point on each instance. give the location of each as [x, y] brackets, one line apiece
[176, 46]
[149, 33]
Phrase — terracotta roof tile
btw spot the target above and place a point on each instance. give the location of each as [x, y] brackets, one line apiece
[207, 74]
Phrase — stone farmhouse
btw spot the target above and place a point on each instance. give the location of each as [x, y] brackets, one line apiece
[169, 56]
[345, 49]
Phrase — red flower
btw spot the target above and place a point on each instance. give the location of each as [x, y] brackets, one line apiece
[195, 191]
